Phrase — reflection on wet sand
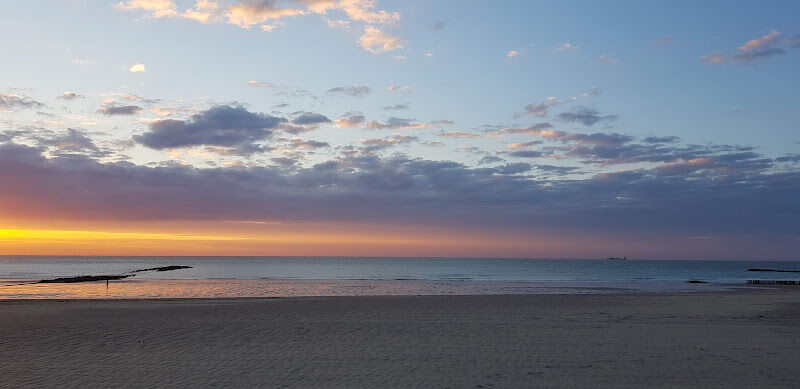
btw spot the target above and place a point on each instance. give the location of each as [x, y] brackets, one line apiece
[151, 288]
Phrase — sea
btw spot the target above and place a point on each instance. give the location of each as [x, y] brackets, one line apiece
[235, 277]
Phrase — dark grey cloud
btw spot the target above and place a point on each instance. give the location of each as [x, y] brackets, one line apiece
[514, 168]
[472, 149]
[12, 102]
[310, 118]
[396, 123]
[490, 159]
[661, 139]
[525, 145]
[376, 144]
[223, 126]
[114, 110]
[304, 122]
[793, 158]
[758, 54]
[585, 116]
[284, 161]
[535, 129]
[352, 90]
[614, 149]
[605, 149]
[72, 141]
[526, 154]
[307, 144]
[396, 107]
[541, 109]
[735, 197]
[555, 169]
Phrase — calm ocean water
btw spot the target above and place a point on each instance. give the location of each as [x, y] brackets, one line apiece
[290, 276]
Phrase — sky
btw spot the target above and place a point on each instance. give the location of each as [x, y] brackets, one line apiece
[540, 129]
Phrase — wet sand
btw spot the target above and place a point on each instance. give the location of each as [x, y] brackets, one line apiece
[718, 339]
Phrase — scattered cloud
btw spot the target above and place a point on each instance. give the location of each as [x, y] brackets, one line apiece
[137, 68]
[11, 102]
[794, 41]
[564, 47]
[351, 120]
[227, 126]
[395, 123]
[585, 116]
[525, 145]
[606, 59]
[310, 118]
[717, 57]
[119, 110]
[352, 90]
[260, 84]
[376, 41]
[542, 109]
[306, 144]
[338, 23]
[304, 122]
[71, 142]
[70, 96]
[535, 129]
[512, 53]
[375, 144]
[689, 189]
[755, 49]
[156, 8]
[526, 154]
[459, 135]
[396, 107]
[358, 10]
[267, 15]
[664, 40]
[248, 13]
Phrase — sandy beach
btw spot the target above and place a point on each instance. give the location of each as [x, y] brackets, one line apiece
[720, 339]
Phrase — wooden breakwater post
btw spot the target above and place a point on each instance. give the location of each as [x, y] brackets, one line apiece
[773, 282]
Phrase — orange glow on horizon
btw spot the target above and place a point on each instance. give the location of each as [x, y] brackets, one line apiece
[287, 238]
[245, 238]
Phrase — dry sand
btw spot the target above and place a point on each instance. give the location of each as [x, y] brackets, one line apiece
[720, 339]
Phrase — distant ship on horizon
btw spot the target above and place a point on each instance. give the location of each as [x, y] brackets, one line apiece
[618, 258]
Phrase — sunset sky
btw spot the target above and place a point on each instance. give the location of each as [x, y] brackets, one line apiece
[550, 129]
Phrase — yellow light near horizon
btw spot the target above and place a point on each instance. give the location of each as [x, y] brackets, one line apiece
[8, 234]
[214, 238]
[295, 237]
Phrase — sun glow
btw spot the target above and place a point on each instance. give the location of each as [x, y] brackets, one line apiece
[8, 234]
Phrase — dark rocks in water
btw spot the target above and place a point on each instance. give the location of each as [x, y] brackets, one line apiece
[65, 280]
[696, 282]
[163, 268]
[774, 282]
[108, 278]
[776, 270]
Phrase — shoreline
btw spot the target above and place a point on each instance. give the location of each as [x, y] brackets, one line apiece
[215, 288]
[729, 289]
[732, 339]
